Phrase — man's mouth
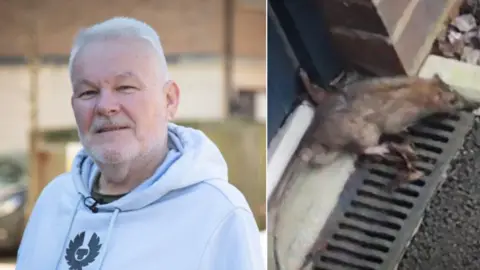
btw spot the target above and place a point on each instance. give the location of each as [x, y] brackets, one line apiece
[110, 128]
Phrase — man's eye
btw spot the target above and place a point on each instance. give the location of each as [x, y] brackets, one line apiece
[87, 93]
[125, 87]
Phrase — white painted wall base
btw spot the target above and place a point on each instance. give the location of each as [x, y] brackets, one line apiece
[284, 144]
[310, 201]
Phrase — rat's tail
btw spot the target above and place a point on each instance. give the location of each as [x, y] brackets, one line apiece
[316, 93]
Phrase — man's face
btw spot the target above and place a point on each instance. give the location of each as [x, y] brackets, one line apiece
[121, 100]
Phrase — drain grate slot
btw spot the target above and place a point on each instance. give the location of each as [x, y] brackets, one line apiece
[372, 220]
[382, 181]
[434, 133]
[369, 230]
[362, 241]
[418, 183]
[410, 191]
[341, 259]
[394, 198]
[427, 155]
[374, 212]
[360, 257]
[380, 207]
[425, 158]
[355, 251]
[352, 250]
[374, 229]
[426, 167]
[381, 173]
[388, 171]
[424, 170]
[431, 136]
[427, 145]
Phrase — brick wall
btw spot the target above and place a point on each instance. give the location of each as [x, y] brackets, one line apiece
[185, 26]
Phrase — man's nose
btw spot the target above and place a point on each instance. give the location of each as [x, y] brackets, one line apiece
[107, 103]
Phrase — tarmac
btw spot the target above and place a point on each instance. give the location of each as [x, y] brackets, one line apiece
[449, 237]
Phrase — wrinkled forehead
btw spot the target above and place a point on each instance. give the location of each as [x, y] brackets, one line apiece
[104, 60]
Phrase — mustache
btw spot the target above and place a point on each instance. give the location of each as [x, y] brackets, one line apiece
[101, 124]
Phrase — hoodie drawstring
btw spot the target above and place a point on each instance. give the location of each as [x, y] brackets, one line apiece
[109, 233]
[72, 218]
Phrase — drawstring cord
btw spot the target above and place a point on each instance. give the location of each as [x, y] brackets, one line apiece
[72, 218]
[109, 233]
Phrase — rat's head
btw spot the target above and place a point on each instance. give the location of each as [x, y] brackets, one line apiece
[447, 99]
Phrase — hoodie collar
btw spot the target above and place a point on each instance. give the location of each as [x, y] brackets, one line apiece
[194, 159]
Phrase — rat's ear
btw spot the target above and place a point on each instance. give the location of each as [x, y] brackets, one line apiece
[440, 82]
[438, 79]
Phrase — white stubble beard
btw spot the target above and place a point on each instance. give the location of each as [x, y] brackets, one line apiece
[115, 154]
[111, 153]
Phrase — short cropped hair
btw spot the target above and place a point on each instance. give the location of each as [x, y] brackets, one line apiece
[119, 27]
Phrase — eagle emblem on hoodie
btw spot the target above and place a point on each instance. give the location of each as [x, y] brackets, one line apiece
[78, 257]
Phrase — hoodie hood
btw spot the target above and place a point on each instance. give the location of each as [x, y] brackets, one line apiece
[192, 158]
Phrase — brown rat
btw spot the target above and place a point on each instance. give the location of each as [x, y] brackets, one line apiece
[354, 118]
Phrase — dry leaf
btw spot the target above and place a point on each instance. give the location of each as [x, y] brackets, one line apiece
[465, 22]
[471, 55]
[454, 36]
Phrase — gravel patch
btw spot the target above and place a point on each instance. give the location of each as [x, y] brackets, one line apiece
[449, 237]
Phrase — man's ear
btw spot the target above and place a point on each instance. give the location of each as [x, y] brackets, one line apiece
[172, 94]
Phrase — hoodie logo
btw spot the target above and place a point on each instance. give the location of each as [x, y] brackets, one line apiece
[78, 257]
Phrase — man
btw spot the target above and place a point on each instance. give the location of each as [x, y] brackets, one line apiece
[143, 193]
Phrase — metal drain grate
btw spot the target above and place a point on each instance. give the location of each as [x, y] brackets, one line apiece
[371, 229]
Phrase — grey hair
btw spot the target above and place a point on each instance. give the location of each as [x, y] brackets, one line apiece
[119, 27]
